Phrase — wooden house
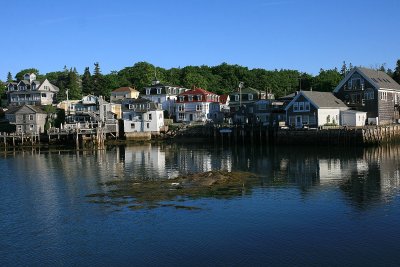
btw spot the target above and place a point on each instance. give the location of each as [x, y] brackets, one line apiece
[373, 92]
[313, 109]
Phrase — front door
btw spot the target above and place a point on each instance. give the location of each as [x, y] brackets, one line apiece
[299, 121]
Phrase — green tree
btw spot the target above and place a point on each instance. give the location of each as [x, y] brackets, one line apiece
[326, 80]
[73, 84]
[9, 77]
[98, 81]
[139, 75]
[20, 75]
[61, 83]
[396, 73]
[87, 84]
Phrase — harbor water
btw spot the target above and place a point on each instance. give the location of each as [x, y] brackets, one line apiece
[311, 206]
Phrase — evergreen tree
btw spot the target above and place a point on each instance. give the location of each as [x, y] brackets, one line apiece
[73, 85]
[9, 77]
[343, 70]
[97, 80]
[87, 85]
[396, 73]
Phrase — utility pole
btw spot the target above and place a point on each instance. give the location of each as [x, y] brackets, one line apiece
[240, 93]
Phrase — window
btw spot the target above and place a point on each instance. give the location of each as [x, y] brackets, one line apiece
[181, 116]
[198, 108]
[147, 91]
[148, 125]
[132, 126]
[383, 96]
[236, 97]
[369, 95]
[307, 106]
[190, 98]
[44, 95]
[181, 98]
[296, 106]
[181, 108]
[158, 91]
[199, 97]
[169, 91]
[250, 96]
[31, 117]
[31, 127]
[159, 100]
[150, 117]
[301, 106]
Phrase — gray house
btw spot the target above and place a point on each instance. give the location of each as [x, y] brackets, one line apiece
[27, 119]
[371, 91]
[310, 108]
[30, 91]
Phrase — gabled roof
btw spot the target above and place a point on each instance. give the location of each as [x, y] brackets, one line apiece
[378, 79]
[197, 91]
[27, 108]
[320, 99]
[124, 89]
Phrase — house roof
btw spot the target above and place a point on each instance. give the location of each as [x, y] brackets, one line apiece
[223, 99]
[25, 109]
[320, 99]
[378, 79]
[197, 91]
[124, 89]
[324, 99]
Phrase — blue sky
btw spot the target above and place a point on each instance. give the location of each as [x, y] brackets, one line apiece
[305, 35]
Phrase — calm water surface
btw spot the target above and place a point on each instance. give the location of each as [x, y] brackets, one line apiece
[312, 207]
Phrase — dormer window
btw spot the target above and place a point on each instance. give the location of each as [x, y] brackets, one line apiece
[181, 98]
[148, 91]
[199, 97]
[250, 96]
[158, 91]
[169, 91]
[190, 98]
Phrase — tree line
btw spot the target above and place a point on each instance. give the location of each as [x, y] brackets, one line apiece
[220, 79]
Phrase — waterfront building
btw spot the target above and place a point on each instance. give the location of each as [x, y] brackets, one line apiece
[142, 115]
[163, 95]
[371, 91]
[30, 91]
[314, 109]
[91, 111]
[28, 119]
[245, 97]
[197, 105]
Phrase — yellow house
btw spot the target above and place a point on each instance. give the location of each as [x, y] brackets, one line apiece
[124, 93]
[116, 109]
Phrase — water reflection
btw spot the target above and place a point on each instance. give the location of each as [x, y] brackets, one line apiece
[364, 175]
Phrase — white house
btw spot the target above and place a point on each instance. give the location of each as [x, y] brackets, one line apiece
[164, 95]
[311, 108]
[197, 105]
[142, 115]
